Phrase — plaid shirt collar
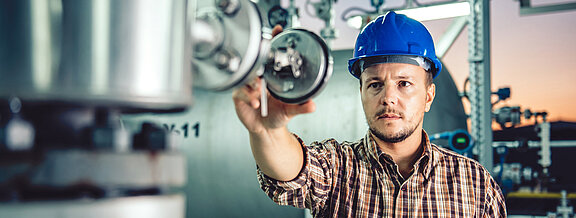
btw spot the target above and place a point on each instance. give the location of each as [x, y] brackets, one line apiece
[430, 156]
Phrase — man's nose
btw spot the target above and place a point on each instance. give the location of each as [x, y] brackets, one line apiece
[389, 95]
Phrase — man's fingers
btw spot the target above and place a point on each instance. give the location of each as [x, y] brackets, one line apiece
[251, 98]
[249, 94]
[304, 108]
[277, 30]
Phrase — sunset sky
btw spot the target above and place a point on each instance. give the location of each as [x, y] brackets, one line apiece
[535, 55]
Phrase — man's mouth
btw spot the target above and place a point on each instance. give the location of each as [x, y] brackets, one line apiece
[389, 116]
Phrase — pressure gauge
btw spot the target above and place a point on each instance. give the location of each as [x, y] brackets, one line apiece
[299, 66]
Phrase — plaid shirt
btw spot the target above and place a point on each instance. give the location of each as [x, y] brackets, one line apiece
[359, 180]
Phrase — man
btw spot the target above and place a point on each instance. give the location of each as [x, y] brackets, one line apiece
[394, 171]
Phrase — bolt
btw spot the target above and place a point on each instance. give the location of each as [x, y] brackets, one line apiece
[15, 105]
[222, 59]
[291, 42]
[287, 86]
[229, 7]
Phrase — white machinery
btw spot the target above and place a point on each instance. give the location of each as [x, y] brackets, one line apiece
[70, 69]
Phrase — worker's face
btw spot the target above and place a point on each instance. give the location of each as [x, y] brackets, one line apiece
[395, 98]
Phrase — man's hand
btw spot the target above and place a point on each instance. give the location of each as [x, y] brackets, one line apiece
[247, 103]
[276, 151]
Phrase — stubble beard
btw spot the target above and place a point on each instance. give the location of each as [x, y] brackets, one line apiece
[400, 136]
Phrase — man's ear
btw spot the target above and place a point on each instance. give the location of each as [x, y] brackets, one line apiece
[430, 94]
[360, 82]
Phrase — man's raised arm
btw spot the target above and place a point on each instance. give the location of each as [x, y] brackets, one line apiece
[277, 152]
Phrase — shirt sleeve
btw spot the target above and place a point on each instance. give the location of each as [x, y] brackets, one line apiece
[495, 206]
[310, 189]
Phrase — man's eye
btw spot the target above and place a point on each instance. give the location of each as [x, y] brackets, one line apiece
[374, 85]
[404, 83]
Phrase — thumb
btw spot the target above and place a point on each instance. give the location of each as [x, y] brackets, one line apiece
[277, 30]
[295, 109]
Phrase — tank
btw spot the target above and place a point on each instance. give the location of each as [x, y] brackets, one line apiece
[122, 54]
[447, 112]
[69, 69]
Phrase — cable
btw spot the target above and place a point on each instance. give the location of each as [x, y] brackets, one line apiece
[464, 91]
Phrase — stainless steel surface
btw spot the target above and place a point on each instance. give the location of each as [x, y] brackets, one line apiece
[162, 206]
[301, 67]
[111, 169]
[29, 45]
[76, 66]
[229, 47]
[129, 53]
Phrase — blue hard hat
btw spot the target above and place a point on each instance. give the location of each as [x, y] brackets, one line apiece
[394, 38]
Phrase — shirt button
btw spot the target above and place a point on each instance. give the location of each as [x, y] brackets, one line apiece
[403, 188]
